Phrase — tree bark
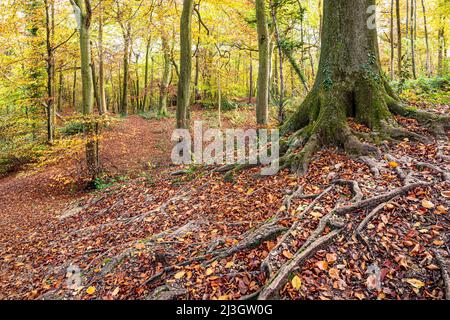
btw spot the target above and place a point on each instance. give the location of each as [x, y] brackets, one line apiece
[262, 99]
[126, 56]
[412, 36]
[349, 83]
[399, 39]
[162, 110]
[427, 44]
[145, 106]
[184, 82]
[95, 83]
[83, 15]
[101, 71]
[392, 57]
[250, 89]
[50, 75]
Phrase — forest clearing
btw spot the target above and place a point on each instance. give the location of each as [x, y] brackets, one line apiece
[348, 99]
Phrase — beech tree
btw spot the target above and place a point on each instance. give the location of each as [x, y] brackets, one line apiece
[262, 99]
[349, 83]
[184, 83]
[83, 14]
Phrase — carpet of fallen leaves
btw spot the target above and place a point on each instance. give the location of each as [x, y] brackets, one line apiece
[121, 237]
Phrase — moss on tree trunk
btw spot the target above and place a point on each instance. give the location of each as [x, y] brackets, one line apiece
[349, 83]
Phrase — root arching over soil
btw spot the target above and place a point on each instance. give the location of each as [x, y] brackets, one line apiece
[322, 120]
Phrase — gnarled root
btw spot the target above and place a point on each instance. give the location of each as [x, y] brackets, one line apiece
[317, 240]
[437, 124]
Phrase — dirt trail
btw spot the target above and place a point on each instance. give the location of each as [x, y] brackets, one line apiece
[32, 199]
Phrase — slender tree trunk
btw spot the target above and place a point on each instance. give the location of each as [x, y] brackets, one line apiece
[428, 63]
[197, 76]
[412, 36]
[162, 111]
[86, 73]
[152, 82]
[74, 86]
[399, 39]
[250, 91]
[407, 19]
[126, 54]
[392, 57]
[219, 92]
[50, 75]
[146, 89]
[83, 14]
[262, 100]
[60, 90]
[101, 71]
[95, 83]
[184, 82]
[137, 87]
[280, 55]
[441, 41]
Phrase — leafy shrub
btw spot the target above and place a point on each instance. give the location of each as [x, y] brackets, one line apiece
[72, 128]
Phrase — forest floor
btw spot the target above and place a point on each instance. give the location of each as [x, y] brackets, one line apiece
[149, 234]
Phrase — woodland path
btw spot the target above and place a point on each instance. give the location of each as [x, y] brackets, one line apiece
[201, 236]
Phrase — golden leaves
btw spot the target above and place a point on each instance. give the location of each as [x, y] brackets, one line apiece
[287, 254]
[427, 204]
[296, 283]
[415, 283]
[91, 290]
[322, 265]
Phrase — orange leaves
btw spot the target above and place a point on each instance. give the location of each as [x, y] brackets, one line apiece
[322, 265]
[90, 290]
[331, 258]
[334, 273]
[287, 254]
[393, 164]
[428, 204]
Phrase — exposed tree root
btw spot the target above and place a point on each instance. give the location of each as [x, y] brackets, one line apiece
[373, 165]
[369, 218]
[267, 265]
[252, 239]
[271, 290]
[167, 292]
[445, 174]
[444, 264]
[335, 221]
[437, 124]
[440, 154]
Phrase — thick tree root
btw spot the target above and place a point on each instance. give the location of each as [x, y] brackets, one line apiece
[252, 239]
[335, 221]
[167, 292]
[437, 124]
[445, 174]
[267, 265]
[440, 154]
[271, 289]
[373, 165]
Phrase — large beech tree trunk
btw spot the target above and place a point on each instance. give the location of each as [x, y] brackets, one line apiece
[349, 83]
